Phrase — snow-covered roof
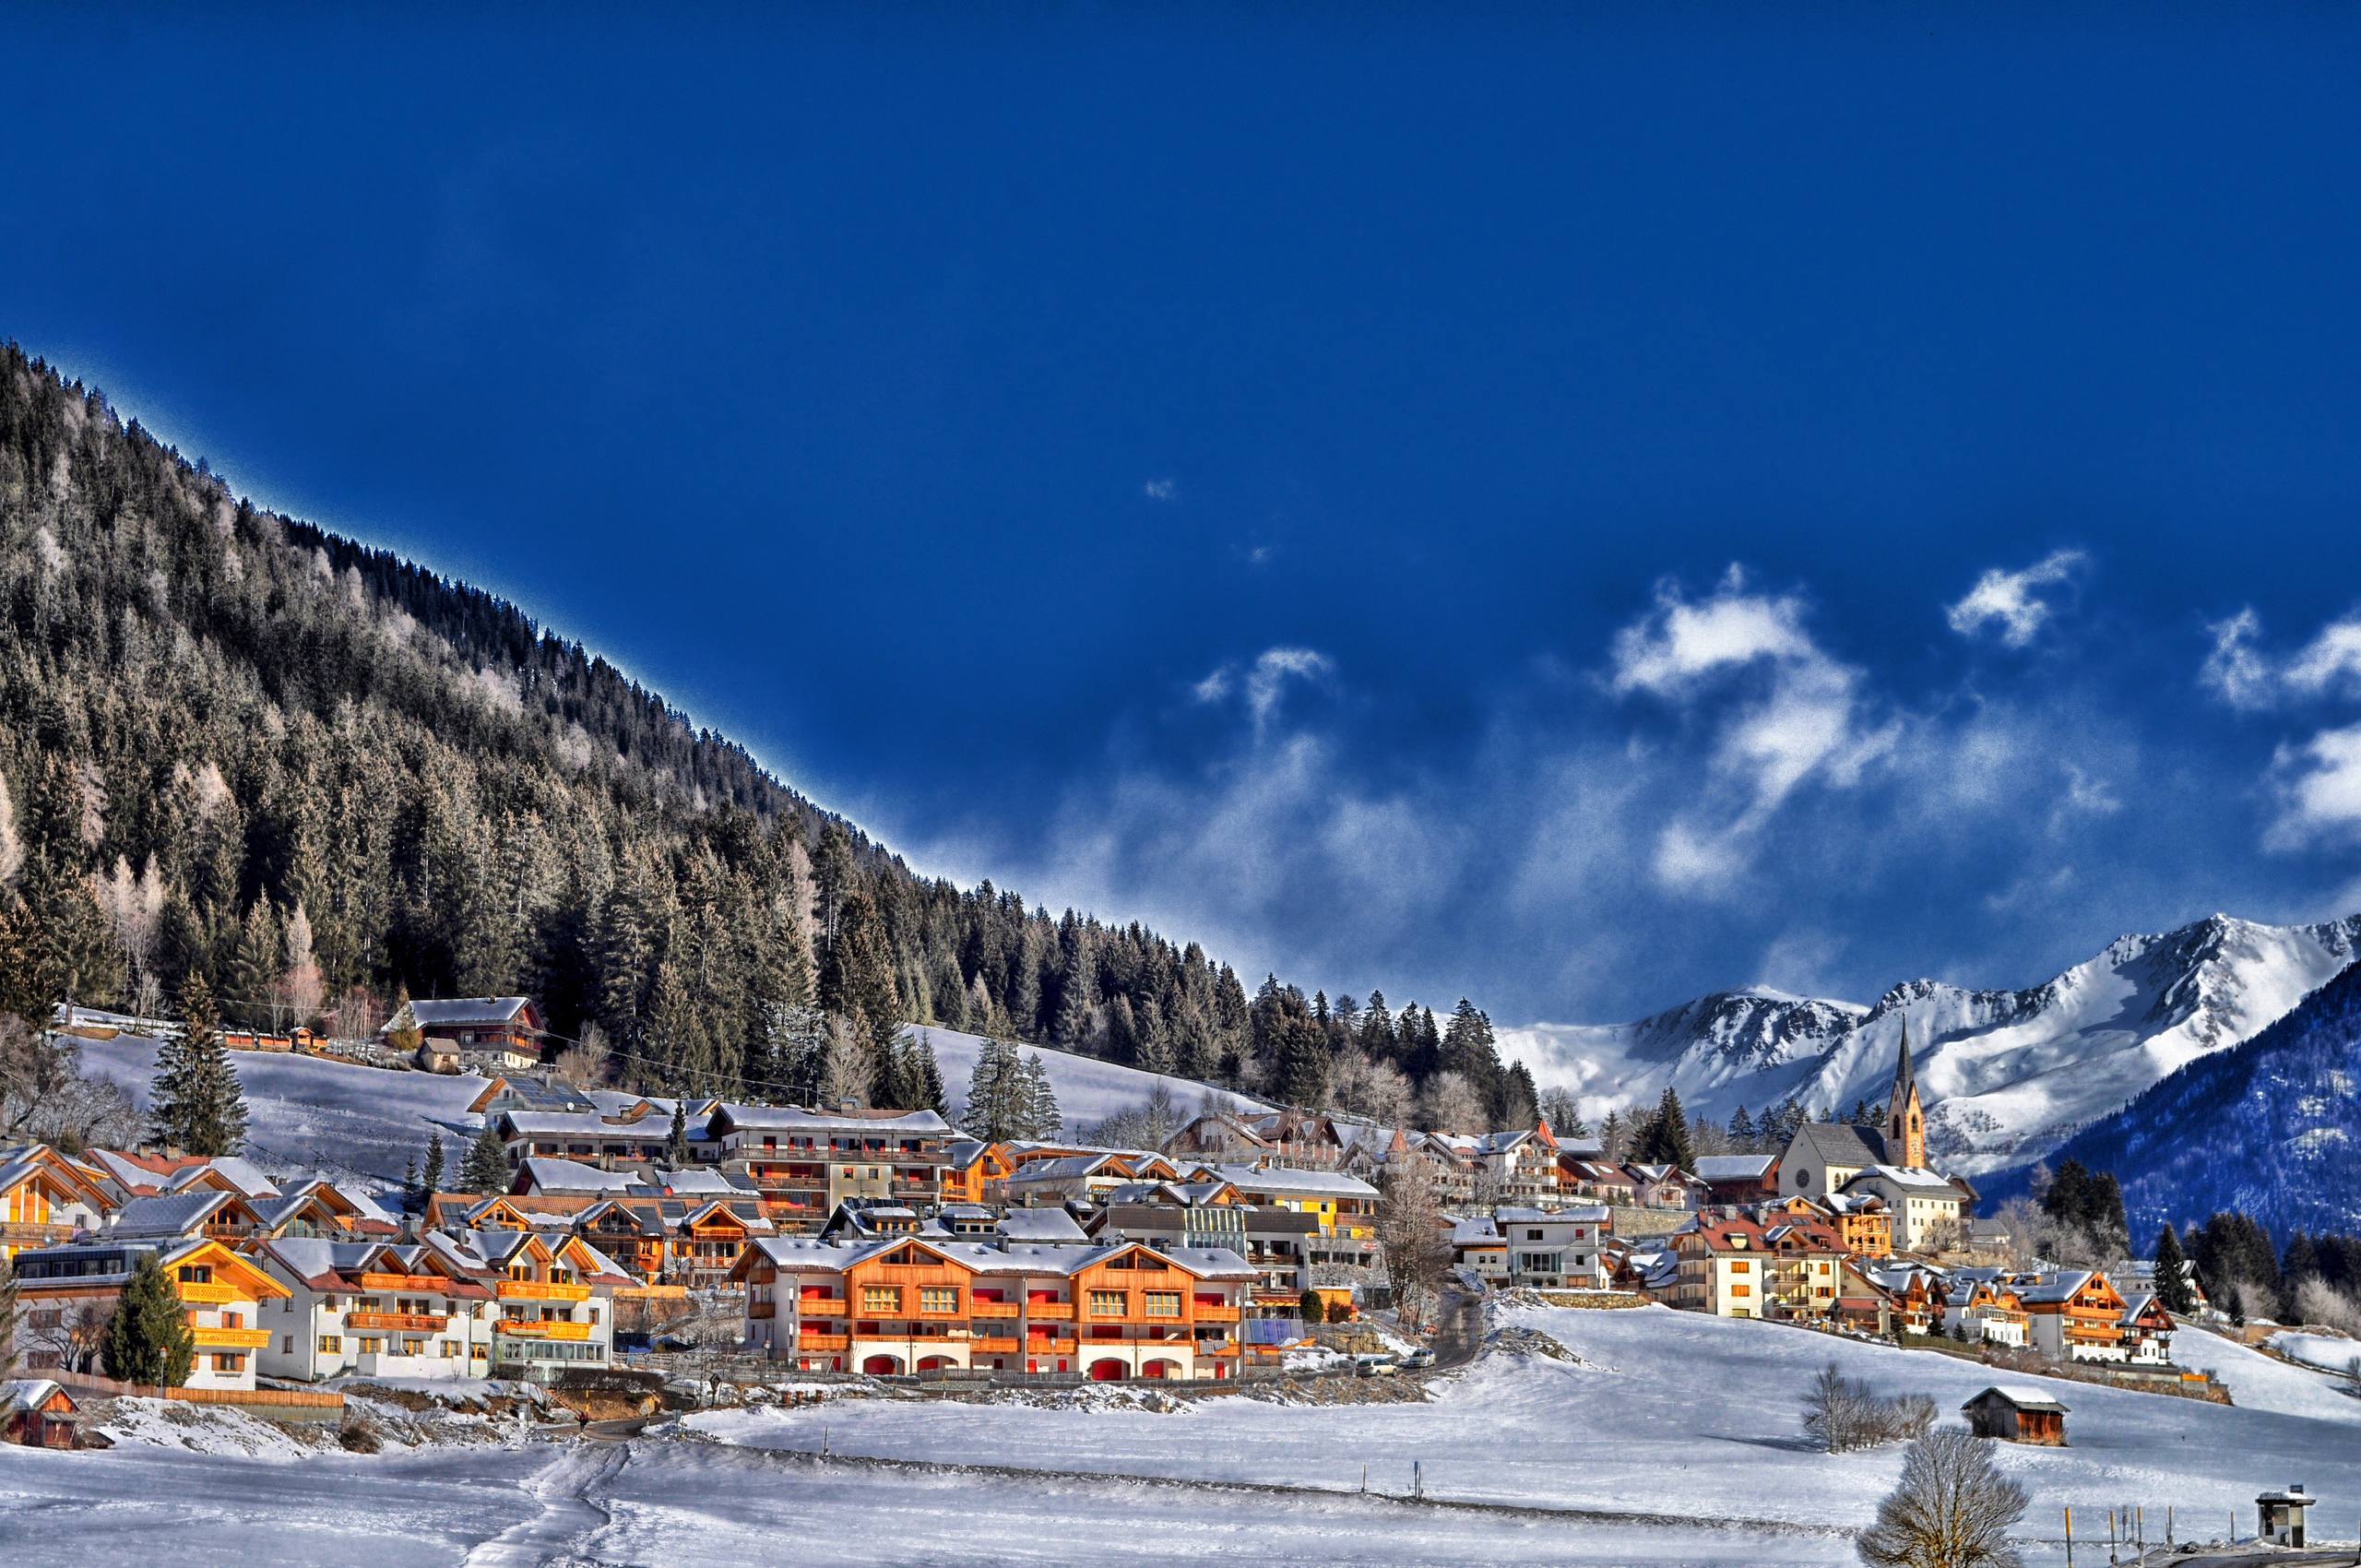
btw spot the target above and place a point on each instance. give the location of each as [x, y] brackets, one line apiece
[240, 1172]
[451, 1012]
[1041, 1227]
[1733, 1167]
[1287, 1179]
[1907, 1176]
[1841, 1143]
[1579, 1214]
[573, 1176]
[27, 1393]
[176, 1214]
[793, 1119]
[2022, 1396]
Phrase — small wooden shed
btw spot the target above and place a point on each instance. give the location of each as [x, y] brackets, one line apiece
[35, 1413]
[2017, 1415]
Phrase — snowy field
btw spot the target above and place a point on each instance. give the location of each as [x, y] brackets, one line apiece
[1664, 1413]
[1670, 1412]
[1087, 1090]
[325, 1116]
[2330, 1352]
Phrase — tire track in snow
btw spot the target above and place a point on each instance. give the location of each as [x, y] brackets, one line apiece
[569, 1516]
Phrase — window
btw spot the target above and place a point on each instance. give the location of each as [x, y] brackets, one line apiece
[1107, 1303]
[1533, 1235]
[229, 1361]
[1741, 1289]
[939, 1299]
[286, 1344]
[331, 1344]
[371, 1344]
[881, 1299]
[1161, 1303]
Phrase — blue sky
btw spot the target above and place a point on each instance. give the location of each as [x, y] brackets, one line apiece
[1574, 507]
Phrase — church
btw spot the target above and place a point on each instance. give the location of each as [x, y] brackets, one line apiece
[1830, 1163]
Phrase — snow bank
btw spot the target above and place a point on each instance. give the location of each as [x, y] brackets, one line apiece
[2330, 1352]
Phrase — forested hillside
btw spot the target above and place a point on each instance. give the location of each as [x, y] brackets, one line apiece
[2271, 1127]
[233, 744]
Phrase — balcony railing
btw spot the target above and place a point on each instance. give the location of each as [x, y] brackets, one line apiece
[1053, 1312]
[208, 1294]
[211, 1338]
[526, 1329]
[822, 1306]
[761, 1309]
[1050, 1347]
[1209, 1314]
[400, 1322]
[395, 1282]
[823, 1341]
[27, 1231]
[535, 1290]
[992, 1309]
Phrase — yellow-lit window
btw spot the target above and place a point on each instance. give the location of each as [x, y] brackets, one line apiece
[331, 1344]
[1107, 1303]
[881, 1299]
[939, 1299]
[1161, 1303]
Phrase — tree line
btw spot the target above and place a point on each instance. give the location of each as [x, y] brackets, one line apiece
[238, 748]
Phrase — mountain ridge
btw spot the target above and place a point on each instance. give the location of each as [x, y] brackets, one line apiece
[2008, 1073]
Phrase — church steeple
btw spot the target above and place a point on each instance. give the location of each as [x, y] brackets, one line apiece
[1905, 1120]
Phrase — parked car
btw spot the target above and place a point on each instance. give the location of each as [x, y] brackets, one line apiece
[1374, 1366]
[1418, 1360]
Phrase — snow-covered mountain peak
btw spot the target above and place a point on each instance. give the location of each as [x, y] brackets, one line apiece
[2008, 1075]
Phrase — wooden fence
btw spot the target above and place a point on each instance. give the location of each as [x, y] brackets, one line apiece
[256, 1398]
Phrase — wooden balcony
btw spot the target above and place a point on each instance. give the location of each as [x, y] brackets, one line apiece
[397, 1282]
[211, 1339]
[1050, 1347]
[535, 1290]
[995, 1346]
[1050, 1311]
[522, 1329]
[210, 1295]
[992, 1309]
[824, 1341]
[822, 1306]
[26, 1233]
[398, 1323]
[1215, 1314]
[761, 1309]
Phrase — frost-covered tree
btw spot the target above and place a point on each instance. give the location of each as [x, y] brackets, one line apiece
[198, 1105]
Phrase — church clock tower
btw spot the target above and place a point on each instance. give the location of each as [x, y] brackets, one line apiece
[1905, 1120]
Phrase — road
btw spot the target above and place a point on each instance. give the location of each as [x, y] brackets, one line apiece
[1459, 1330]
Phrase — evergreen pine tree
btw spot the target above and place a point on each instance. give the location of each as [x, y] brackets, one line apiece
[1741, 1127]
[411, 1199]
[1041, 1117]
[676, 1142]
[430, 1179]
[1666, 1141]
[996, 1109]
[485, 1170]
[2172, 1274]
[148, 1341]
[928, 1080]
[198, 1105]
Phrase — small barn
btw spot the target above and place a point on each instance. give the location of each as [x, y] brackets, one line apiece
[2017, 1415]
[35, 1413]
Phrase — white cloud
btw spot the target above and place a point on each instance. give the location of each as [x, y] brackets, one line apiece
[1671, 651]
[1161, 490]
[2085, 796]
[2234, 671]
[2012, 599]
[2319, 787]
[2332, 663]
[1803, 721]
[1264, 681]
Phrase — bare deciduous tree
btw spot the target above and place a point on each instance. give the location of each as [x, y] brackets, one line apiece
[585, 1063]
[1953, 1509]
[1414, 1236]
